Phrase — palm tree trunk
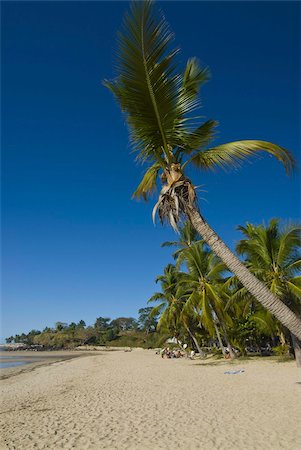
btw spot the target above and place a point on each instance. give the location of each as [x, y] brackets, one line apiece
[231, 352]
[219, 339]
[282, 339]
[200, 351]
[297, 349]
[250, 282]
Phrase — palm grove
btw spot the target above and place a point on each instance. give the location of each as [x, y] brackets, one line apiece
[160, 102]
[201, 302]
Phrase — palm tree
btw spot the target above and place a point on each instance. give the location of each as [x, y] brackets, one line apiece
[159, 102]
[204, 289]
[273, 255]
[171, 306]
[187, 235]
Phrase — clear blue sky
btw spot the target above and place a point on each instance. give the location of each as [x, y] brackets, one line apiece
[74, 244]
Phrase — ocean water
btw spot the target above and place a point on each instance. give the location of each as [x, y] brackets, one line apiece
[7, 364]
[10, 360]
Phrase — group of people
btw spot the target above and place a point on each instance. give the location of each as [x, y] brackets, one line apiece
[166, 352]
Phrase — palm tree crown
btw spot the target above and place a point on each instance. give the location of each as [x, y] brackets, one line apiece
[273, 255]
[160, 101]
[204, 284]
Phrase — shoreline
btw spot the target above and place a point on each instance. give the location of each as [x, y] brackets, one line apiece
[48, 359]
[133, 400]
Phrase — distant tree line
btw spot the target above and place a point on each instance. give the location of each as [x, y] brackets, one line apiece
[104, 331]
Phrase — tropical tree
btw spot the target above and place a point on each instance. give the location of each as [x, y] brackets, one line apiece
[102, 323]
[59, 326]
[124, 323]
[81, 324]
[160, 101]
[171, 300]
[204, 284]
[147, 321]
[273, 254]
[187, 235]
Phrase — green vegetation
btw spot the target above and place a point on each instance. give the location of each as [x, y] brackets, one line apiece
[159, 99]
[201, 302]
[122, 332]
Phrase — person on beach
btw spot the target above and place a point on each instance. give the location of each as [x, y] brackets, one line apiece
[162, 352]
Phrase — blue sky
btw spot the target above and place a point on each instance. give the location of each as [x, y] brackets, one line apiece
[75, 246]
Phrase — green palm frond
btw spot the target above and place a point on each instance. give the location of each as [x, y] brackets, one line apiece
[157, 296]
[159, 101]
[232, 154]
[293, 267]
[148, 182]
[216, 269]
[295, 286]
[169, 244]
[290, 242]
[207, 314]
[272, 253]
[187, 236]
[200, 137]
[265, 321]
[157, 310]
[147, 87]
[194, 77]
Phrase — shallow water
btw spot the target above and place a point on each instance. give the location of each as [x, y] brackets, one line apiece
[7, 364]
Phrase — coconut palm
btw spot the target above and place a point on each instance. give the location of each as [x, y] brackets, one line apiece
[160, 101]
[273, 254]
[187, 235]
[171, 305]
[204, 285]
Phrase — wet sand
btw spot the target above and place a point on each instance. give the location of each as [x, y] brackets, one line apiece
[33, 359]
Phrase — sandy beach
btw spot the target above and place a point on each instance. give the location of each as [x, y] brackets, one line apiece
[136, 400]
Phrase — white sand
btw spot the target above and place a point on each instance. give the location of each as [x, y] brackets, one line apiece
[139, 401]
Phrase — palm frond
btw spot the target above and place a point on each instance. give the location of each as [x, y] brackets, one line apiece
[290, 242]
[198, 138]
[295, 286]
[148, 182]
[265, 321]
[232, 154]
[293, 267]
[157, 310]
[147, 87]
[169, 244]
[157, 296]
[194, 77]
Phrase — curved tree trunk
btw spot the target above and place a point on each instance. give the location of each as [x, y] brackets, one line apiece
[200, 351]
[229, 346]
[250, 282]
[297, 349]
[219, 339]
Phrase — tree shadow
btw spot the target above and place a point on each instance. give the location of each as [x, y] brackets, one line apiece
[215, 363]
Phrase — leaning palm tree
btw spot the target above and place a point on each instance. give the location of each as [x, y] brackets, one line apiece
[273, 254]
[160, 102]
